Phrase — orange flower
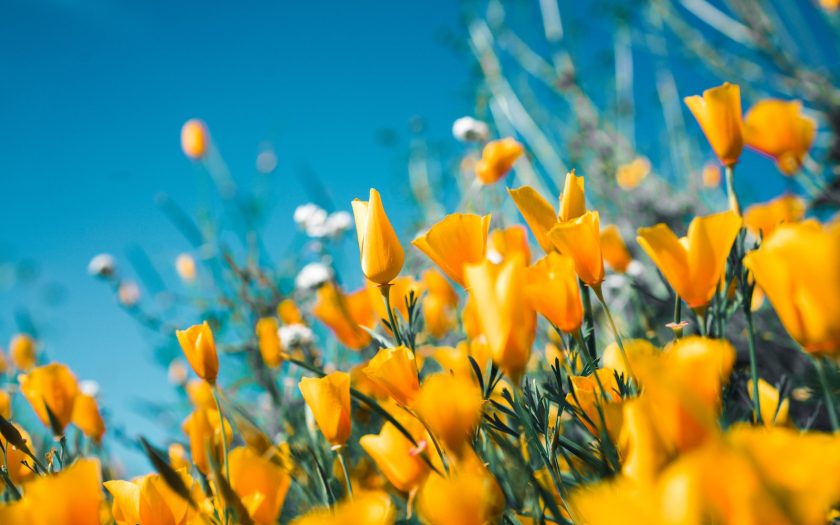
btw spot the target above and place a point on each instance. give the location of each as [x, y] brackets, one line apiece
[633, 173]
[71, 497]
[195, 140]
[204, 431]
[18, 472]
[451, 408]
[777, 128]
[86, 416]
[23, 352]
[256, 478]
[694, 264]
[573, 199]
[497, 159]
[581, 239]
[380, 251]
[288, 312]
[614, 250]
[438, 304]
[328, 398]
[398, 293]
[457, 240]
[762, 219]
[53, 386]
[343, 314]
[552, 289]
[396, 456]
[271, 348]
[200, 351]
[711, 175]
[395, 370]
[538, 213]
[502, 244]
[718, 112]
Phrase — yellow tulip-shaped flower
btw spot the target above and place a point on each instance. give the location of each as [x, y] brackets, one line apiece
[87, 418]
[148, 500]
[502, 311]
[271, 349]
[777, 128]
[503, 244]
[774, 408]
[255, 478]
[397, 458]
[538, 213]
[573, 199]
[380, 250]
[762, 219]
[204, 431]
[457, 240]
[718, 112]
[22, 351]
[451, 408]
[614, 250]
[798, 267]
[344, 314]
[71, 497]
[200, 349]
[552, 290]
[497, 159]
[53, 386]
[395, 370]
[328, 398]
[580, 238]
[195, 139]
[694, 264]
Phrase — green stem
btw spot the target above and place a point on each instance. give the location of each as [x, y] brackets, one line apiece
[829, 396]
[224, 443]
[734, 204]
[701, 320]
[600, 295]
[678, 331]
[340, 452]
[588, 322]
[753, 363]
[386, 294]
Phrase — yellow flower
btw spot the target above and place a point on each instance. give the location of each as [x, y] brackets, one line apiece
[777, 128]
[438, 304]
[587, 395]
[503, 313]
[451, 408]
[573, 199]
[256, 478]
[23, 352]
[185, 266]
[54, 386]
[644, 453]
[457, 240]
[271, 349]
[497, 159]
[328, 398]
[633, 348]
[148, 500]
[798, 267]
[5, 404]
[288, 312]
[398, 293]
[71, 497]
[552, 289]
[87, 418]
[437, 285]
[718, 112]
[395, 370]
[178, 456]
[195, 139]
[397, 458]
[538, 214]
[200, 351]
[762, 219]
[343, 314]
[380, 250]
[614, 250]
[18, 472]
[633, 173]
[503, 244]
[580, 238]
[694, 264]
[774, 408]
[204, 431]
[200, 394]
[711, 175]
[365, 508]
[830, 5]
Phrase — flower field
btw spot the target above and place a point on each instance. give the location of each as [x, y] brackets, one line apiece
[597, 344]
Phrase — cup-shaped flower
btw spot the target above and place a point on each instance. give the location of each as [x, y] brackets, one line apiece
[328, 398]
[260, 483]
[457, 240]
[451, 408]
[53, 386]
[195, 139]
[718, 112]
[538, 213]
[381, 253]
[774, 407]
[70, 497]
[148, 500]
[87, 418]
[778, 129]
[200, 350]
[268, 339]
[694, 264]
[497, 159]
[204, 432]
[396, 456]
[23, 352]
[613, 249]
[798, 267]
[580, 238]
[762, 219]
[395, 370]
[505, 243]
[573, 199]
[503, 313]
[344, 314]
[552, 290]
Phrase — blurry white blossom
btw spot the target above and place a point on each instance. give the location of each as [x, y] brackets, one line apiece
[468, 129]
[307, 214]
[266, 160]
[635, 268]
[90, 388]
[128, 293]
[313, 275]
[295, 335]
[317, 223]
[177, 372]
[102, 265]
[339, 222]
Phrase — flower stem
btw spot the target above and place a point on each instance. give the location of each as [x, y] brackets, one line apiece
[386, 295]
[829, 396]
[753, 364]
[734, 204]
[340, 453]
[224, 443]
[589, 323]
[600, 295]
[678, 331]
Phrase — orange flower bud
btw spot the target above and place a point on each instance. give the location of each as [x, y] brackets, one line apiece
[200, 350]
[54, 386]
[271, 349]
[395, 370]
[380, 250]
[328, 398]
[777, 128]
[497, 159]
[718, 112]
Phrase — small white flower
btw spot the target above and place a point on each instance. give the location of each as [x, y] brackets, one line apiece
[339, 222]
[102, 265]
[307, 215]
[177, 372]
[468, 129]
[295, 335]
[90, 388]
[313, 275]
[128, 293]
[635, 268]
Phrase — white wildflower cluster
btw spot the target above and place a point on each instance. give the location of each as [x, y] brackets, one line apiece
[317, 223]
[102, 265]
[313, 275]
[295, 335]
[468, 129]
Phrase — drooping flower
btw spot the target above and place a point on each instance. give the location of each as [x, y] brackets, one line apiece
[777, 128]
[694, 264]
[53, 386]
[380, 251]
[497, 159]
[200, 350]
[552, 290]
[328, 398]
[457, 240]
[718, 112]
